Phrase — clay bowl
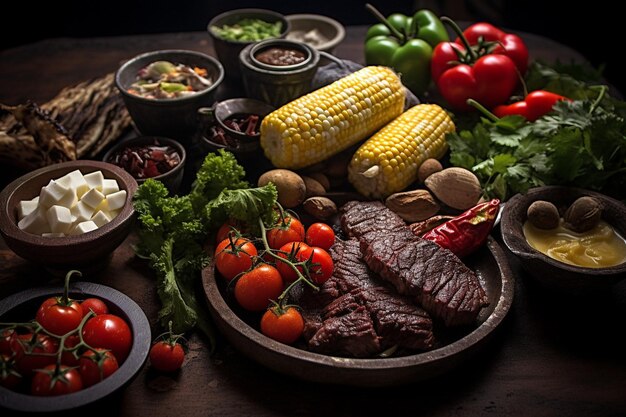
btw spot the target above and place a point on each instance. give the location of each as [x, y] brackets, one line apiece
[327, 27]
[69, 252]
[454, 348]
[23, 306]
[550, 272]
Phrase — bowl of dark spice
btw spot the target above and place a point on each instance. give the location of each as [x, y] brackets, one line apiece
[234, 125]
[155, 157]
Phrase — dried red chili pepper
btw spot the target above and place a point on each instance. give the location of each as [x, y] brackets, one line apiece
[467, 232]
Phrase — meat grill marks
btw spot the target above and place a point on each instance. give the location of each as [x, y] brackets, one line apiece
[368, 314]
[439, 281]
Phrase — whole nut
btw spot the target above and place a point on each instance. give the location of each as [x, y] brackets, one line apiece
[543, 215]
[584, 214]
[455, 187]
[313, 187]
[413, 206]
[428, 167]
[321, 208]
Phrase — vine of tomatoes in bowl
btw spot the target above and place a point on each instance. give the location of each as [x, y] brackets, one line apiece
[263, 271]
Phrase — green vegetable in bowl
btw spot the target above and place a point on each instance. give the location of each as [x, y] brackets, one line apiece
[248, 30]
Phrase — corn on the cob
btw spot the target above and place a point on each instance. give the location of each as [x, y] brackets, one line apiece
[388, 161]
[331, 119]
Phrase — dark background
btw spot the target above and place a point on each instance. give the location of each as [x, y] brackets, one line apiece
[593, 29]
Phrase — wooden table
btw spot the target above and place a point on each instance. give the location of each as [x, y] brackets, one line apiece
[553, 356]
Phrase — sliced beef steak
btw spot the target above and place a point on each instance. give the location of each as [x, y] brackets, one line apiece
[439, 280]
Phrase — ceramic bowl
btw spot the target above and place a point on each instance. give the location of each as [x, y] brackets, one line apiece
[309, 25]
[68, 252]
[227, 50]
[176, 117]
[23, 306]
[172, 178]
[550, 272]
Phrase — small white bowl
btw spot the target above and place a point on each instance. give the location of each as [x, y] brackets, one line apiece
[328, 27]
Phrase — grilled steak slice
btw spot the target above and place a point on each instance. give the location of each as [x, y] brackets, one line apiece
[350, 272]
[352, 334]
[439, 280]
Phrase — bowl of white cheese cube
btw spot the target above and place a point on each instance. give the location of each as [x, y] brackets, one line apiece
[68, 215]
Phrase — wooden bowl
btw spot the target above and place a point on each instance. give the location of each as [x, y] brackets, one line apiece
[69, 252]
[23, 306]
[492, 269]
[550, 272]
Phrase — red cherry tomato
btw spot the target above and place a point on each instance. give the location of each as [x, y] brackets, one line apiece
[226, 228]
[47, 382]
[69, 357]
[95, 366]
[9, 377]
[322, 264]
[6, 336]
[58, 318]
[167, 357]
[286, 271]
[231, 260]
[255, 289]
[320, 235]
[94, 304]
[289, 230]
[28, 352]
[286, 327]
[108, 331]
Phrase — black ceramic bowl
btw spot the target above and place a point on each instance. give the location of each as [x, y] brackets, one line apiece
[175, 118]
[23, 306]
[172, 178]
[550, 272]
[228, 51]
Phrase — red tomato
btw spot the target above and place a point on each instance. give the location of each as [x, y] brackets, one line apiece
[28, 352]
[95, 366]
[322, 264]
[69, 357]
[232, 260]
[47, 383]
[256, 288]
[58, 318]
[226, 228]
[286, 271]
[6, 336]
[167, 357]
[286, 327]
[290, 230]
[94, 304]
[9, 377]
[320, 235]
[109, 332]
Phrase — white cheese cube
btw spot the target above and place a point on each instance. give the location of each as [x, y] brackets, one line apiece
[59, 219]
[92, 198]
[35, 223]
[76, 181]
[110, 187]
[25, 207]
[101, 218]
[104, 206]
[116, 200]
[95, 180]
[55, 194]
[53, 234]
[83, 227]
[113, 213]
[81, 212]
[35, 200]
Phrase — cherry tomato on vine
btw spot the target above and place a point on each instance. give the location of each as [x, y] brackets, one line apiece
[226, 228]
[59, 318]
[94, 304]
[95, 366]
[6, 336]
[286, 326]
[231, 260]
[166, 356]
[322, 268]
[286, 271]
[28, 352]
[47, 382]
[255, 289]
[320, 235]
[9, 377]
[288, 230]
[108, 331]
[68, 357]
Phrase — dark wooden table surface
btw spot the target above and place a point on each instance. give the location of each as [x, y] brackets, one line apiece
[553, 356]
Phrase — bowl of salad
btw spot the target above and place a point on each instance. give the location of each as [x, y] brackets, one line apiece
[163, 90]
[233, 30]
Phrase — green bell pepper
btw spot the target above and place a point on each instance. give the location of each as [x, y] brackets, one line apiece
[406, 44]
